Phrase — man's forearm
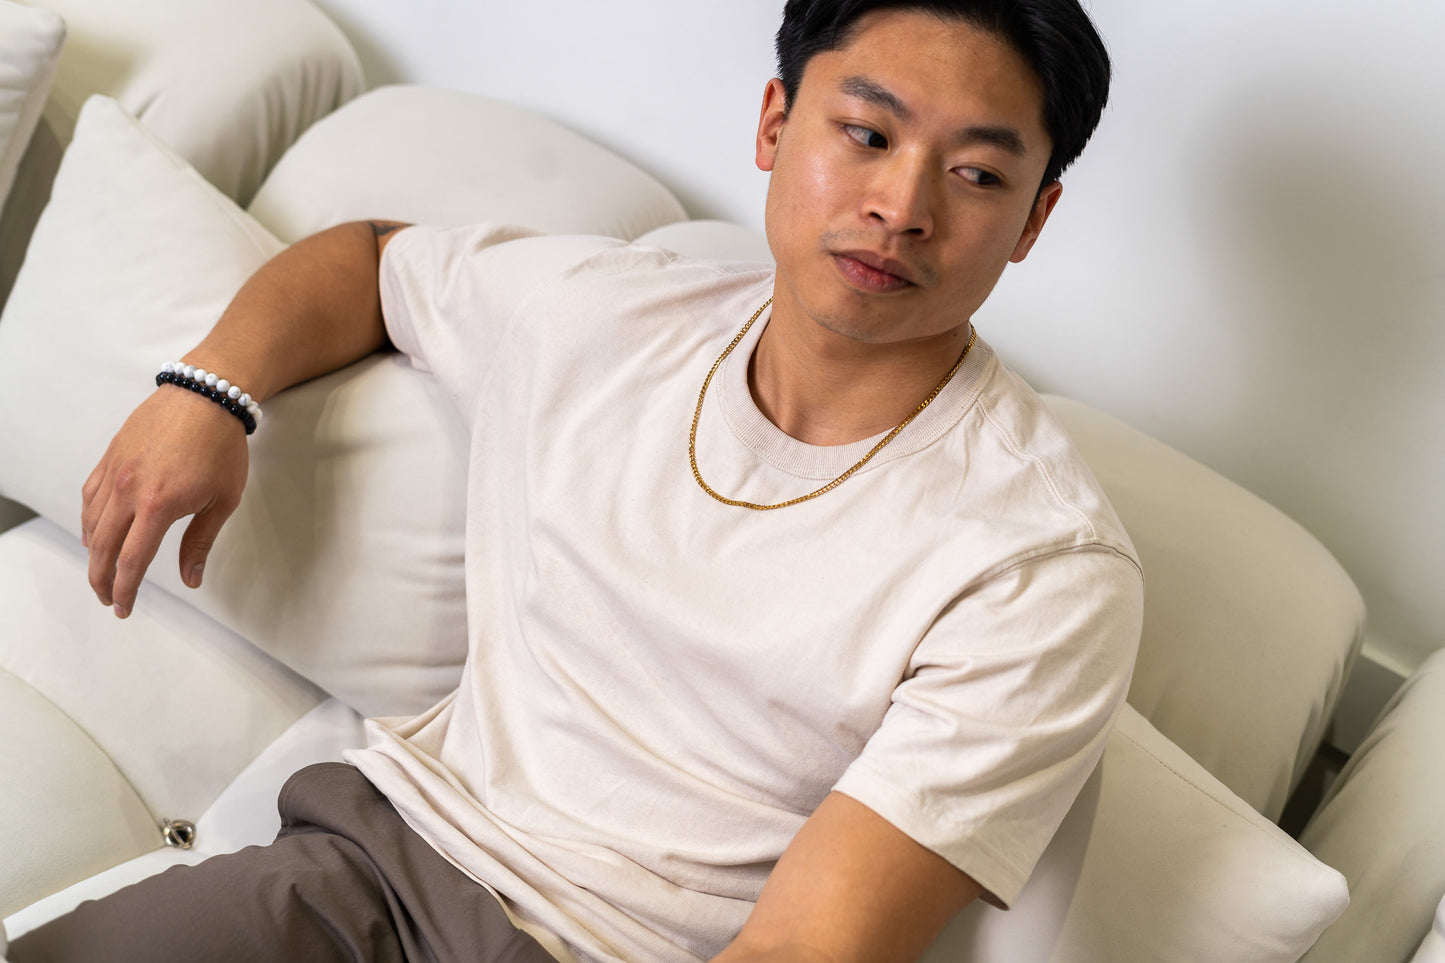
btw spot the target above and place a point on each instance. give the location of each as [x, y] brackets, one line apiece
[310, 310]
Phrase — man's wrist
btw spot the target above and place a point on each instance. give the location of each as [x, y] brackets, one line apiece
[214, 388]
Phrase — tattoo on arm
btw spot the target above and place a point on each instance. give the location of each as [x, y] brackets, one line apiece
[382, 229]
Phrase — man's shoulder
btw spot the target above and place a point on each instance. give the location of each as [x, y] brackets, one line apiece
[503, 270]
[1026, 454]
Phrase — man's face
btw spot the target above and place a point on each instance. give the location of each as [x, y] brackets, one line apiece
[904, 177]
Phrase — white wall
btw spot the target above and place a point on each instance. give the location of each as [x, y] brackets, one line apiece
[1249, 263]
[613, 70]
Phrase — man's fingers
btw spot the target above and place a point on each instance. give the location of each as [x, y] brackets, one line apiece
[93, 498]
[105, 539]
[142, 542]
[125, 537]
[196, 544]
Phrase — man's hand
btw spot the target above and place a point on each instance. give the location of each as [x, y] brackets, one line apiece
[851, 888]
[311, 309]
[178, 454]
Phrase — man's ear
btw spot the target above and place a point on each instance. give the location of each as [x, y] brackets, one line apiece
[1043, 207]
[770, 123]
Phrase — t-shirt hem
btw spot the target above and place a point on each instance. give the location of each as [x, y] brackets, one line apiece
[1001, 878]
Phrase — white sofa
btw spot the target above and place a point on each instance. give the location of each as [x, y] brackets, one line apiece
[336, 590]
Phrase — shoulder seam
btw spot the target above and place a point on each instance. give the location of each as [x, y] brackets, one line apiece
[1048, 476]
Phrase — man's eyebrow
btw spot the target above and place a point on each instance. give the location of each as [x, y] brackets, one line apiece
[875, 93]
[1002, 137]
[1006, 138]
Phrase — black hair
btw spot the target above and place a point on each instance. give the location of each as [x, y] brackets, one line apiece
[1055, 37]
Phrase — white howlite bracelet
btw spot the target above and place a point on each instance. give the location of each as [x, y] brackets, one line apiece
[211, 385]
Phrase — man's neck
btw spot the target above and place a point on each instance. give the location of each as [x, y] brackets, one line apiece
[824, 389]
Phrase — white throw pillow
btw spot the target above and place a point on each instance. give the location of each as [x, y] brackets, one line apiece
[1158, 860]
[344, 559]
[30, 42]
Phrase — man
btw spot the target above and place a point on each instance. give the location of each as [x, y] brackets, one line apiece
[797, 689]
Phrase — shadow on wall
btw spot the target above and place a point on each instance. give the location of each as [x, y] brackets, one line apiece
[1324, 228]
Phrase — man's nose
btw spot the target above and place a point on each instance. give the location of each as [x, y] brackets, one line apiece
[902, 195]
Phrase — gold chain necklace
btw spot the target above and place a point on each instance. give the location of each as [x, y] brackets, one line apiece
[697, 415]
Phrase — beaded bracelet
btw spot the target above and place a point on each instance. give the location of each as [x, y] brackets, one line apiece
[209, 385]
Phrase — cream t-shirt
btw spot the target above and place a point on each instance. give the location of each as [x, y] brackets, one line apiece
[660, 687]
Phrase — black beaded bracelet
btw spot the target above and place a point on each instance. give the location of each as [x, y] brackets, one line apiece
[180, 380]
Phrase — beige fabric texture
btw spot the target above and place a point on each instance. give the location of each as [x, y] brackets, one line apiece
[1383, 826]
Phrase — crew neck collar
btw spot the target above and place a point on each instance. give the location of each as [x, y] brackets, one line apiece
[822, 462]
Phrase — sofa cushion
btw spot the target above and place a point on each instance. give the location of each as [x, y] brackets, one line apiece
[178, 703]
[66, 811]
[30, 42]
[383, 155]
[224, 94]
[711, 240]
[1383, 825]
[1158, 860]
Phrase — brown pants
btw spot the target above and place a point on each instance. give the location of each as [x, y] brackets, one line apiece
[346, 880]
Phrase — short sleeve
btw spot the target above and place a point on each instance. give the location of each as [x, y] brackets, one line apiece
[447, 294]
[1005, 712]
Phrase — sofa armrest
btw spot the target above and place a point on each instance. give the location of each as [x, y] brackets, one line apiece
[1383, 825]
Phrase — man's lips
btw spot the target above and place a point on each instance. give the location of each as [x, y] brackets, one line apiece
[872, 272]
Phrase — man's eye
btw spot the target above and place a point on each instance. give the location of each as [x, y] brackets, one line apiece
[980, 177]
[865, 137]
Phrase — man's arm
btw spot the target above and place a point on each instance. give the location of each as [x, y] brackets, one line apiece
[851, 887]
[312, 309]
